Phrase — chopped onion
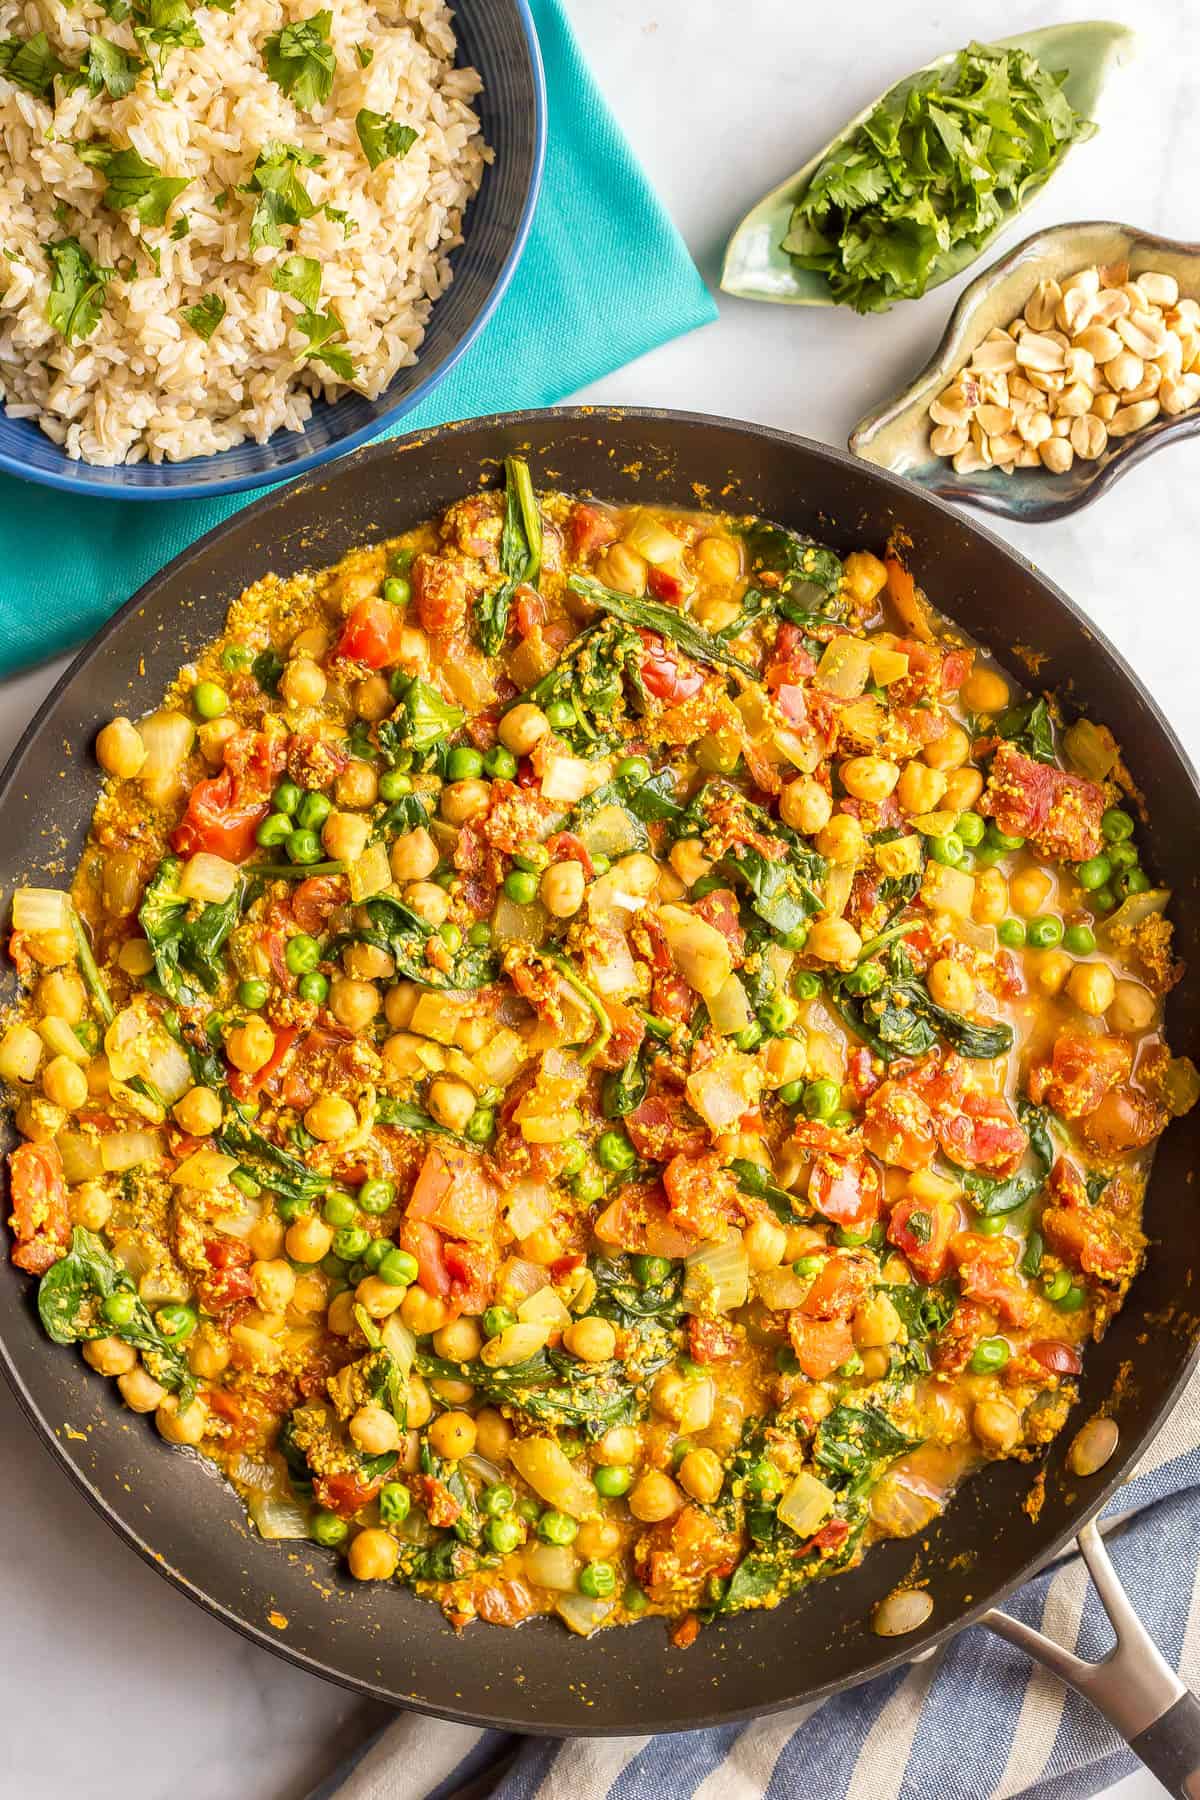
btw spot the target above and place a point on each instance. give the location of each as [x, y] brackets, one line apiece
[60, 1040]
[241, 1216]
[206, 1169]
[552, 1475]
[168, 737]
[903, 1503]
[80, 1156]
[121, 881]
[729, 1009]
[513, 924]
[544, 1308]
[277, 1518]
[399, 1341]
[716, 1277]
[41, 909]
[20, 1053]
[838, 884]
[528, 1206]
[948, 890]
[612, 970]
[519, 1278]
[651, 539]
[802, 753]
[487, 1472]
[137, 1043]
[567, 779]
[371, 873]
[780, 1290]
[514, 1345]
[610, 832]
[254, 1474]
[1137, 907]
[980, 937]
[806, 1505]
[439, 1016]
[887, 666]
[1092, 748]
[129, 1149]
[501, 1058]
[207, 878]
[582, 1615]
[551, 1566]
[844, 668]
[699, 951]
[730, 1086]
[862, 720]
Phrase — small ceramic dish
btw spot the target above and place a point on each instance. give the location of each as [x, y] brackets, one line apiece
[757, 267]
[896, 435]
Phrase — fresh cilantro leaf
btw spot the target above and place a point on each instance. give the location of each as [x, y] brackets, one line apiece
[205, 316]
[300, 60]
[133, 184]
[116, 9]
[31, 64]
[163, 26]
[299, 276]
[181, 227]
[320, 329]
[341, 217]
[283, 198]
[155, 257]
[382, 137]
[365, 55]
[76, 290]
[109, 67]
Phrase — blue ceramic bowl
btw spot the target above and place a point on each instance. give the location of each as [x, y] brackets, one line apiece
[498, 38]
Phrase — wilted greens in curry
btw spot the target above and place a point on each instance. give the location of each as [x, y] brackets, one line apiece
[597, 1058]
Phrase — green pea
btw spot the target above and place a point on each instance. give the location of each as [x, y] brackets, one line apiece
[1011, 933]
[821, 1099]
[988, 856]
[601, 863]
[1116, 825]
[529, 1509]
[376, 1196]
[561, 715]
[947, 850]
[866, 980]
[287, 797]
[805, 1267]
[750, 1036]
[481, 1126]
[303, 847]
[778, 1015]
[521, 887]
[1056, 1285]
[764, 1479]
[589, 1186]
[680, 1448]
[357, 1272]
[302, 954]
[375, 1252]
[397, 591]
[792, 1092]
[327, 1529]
[274, 830]
[1073, 1299]
[291, 1207]
[614, 1152]
[394, 785]
[1044, 932]
[574, 1155]
[841, 1119]
[339, 1208]
[634, 1601]
[395, 1503]
[707, 884]
[990, 1225]
[314, 988]
[235, 657]
[634, 770]
[88, 1035]
[505, 1534]
[497, 1319]
[967, 861]
[1080, 940]
[613, 1481]
[209, 700]
[252, 994]
[650, 1271]
[314, 810]
[532, 858]
[557, 1528]
[480, 935]
[464, 764]
[971, 828]
[847, 1239]
[853, 1365]
[1133, 881]
[350, 1242]
[1102, 900]
[333, 1266]
[500, 764]
[1094, 872]
[120, 1308]
[498, 1500]
[398, 1269]
[401, 561]
[176, 1322]
[1122, 856]
[445, 878]
[1004, 840]
[597, 1580]
[795, 939]
[990, 1354]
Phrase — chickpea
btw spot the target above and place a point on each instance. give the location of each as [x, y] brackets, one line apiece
[375, 1431]
[984, 691]
[312, 1293]
[452, 1435]
[493, 1434]
[701, 1475]
[459, 1341]
[353, 1003]
[598, 1538]
[266, 1236]
[251, 1046]
[522, 727]
[110, 1355]
[669, 1395]
[213, 736]
[302, 682]
[400, 1003]
[876, 1323]
[140, 1392]
[65, 1084]
[654, 1497]
[207, 1353]
[622, 568]
[429, 901]
[1133, 1007]
[841, 840]
[765, 1243]
[404, 1053]
[61, 996]
[718, 559]
[688, 860]
[340, 1317]
[357, 785]
[51, 949]
[372, 698]
[451, 1103]
[991, 897]
[1028, 890]
[89, 1206]
[345, 835]
[329, 1118]
[420, 1406]
[875, 1363]
[463, 800]
[453, 1393]
[274, 1284]
[834, 941]
[1092, 986]
[920, 788]
[379, 1298]
[423, 1313]
[374, 1554]
[591, 1340]
[367, 962]
[951, 985]
[996, 1424]
[414, 856]
[805, 805]
[1053, 969]
[963, 788]
[135, 957]
[870, 778]
[950, 751]
[620, 1444]
[198, 1111]
[120, 750]
[181, 1425]
[562, 888]
[313, 641]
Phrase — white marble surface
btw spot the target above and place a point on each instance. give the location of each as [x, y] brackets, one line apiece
[721, 98]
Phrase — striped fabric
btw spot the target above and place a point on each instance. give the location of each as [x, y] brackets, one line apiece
[975, 1721]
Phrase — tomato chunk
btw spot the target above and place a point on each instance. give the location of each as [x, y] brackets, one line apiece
[372, 634]
[821, 1345]
[224, 812]
[663, 675]
[40, 1221]
[922, 1229]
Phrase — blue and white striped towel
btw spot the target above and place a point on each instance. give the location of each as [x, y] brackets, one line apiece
[977, 1721]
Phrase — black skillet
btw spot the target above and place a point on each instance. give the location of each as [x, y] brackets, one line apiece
[382, 1640]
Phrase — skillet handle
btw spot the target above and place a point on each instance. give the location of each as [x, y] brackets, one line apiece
[1135, 1688]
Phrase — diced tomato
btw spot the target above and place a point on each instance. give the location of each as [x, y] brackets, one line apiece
[828, 1540]
[664, 1126]
[671, 997]
[423, 1242]
[224, 812]
[565, 846]
[720, 910]
[346, 1492]
[898, 1127]
[665, 586]
[638, 1221]
[440, 593]
[789, 668]
[838, 1286]
[985, 1135]
[1009, 980]
[1084, 1236]
[314, 900]
[472, 1274]
[1083, 1066]
[845, 1190]
[588, 530]
[684, 1635]
[242, 1085]
[453, 1193]
[792, 703]
[710, 1340]
[702, 1194]
[227, 1279]
[628, 1030]
[821, 1345]
[1058, 1358]
[956, 1341]
[956, 666]
[529, 611]
[987, 1272]
[40, 1220]
[1059, 812]
[861, 1074]
[682, 1553]
[922, 1229]
[372, 634]
[663, 675]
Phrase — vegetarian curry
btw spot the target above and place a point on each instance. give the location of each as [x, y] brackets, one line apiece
[597, 1060]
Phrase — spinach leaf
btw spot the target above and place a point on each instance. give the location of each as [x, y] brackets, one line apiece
[407, 1117]
[31, 64]
[553, 1390]
[77, 286]
[897, 1016]
[90, 970]
[625, 1088]
[520, 554]
[775, 864]
[181, 945]
[667, 621]
[400, 931]
[807, 579]
[273, 1168]
[1031, 729]
[752, 1178]
[381, 137]
[71, 1295]
[992, 1197]
[422, 721]
[300, 60]
[623, 1300]
[266, 669]
[854, 1443]
[596, 674]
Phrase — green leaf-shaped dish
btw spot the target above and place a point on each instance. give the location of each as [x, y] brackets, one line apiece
[756, 268]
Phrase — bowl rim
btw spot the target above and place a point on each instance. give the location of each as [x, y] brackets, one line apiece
[68, 481]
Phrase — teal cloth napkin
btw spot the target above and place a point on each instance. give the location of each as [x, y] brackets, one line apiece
[67, 563]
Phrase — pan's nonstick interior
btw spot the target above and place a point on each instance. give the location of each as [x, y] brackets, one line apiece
[384, 1640]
